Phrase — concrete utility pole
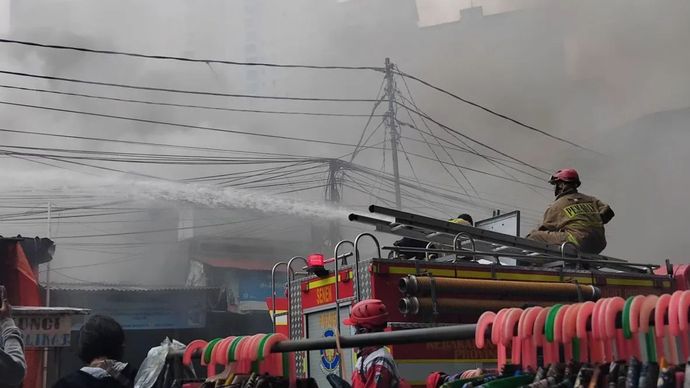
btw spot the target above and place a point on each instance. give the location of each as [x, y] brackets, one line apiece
[333, 197]
[391, 122]
[50, 208]
[46, 350]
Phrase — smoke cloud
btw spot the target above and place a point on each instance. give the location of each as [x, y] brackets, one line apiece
[611, 76]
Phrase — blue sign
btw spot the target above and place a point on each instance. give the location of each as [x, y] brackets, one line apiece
[144, 310]
[254, 285]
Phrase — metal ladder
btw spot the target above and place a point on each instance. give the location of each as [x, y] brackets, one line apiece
[488, 244]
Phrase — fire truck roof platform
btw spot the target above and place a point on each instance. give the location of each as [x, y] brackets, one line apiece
[470, 242]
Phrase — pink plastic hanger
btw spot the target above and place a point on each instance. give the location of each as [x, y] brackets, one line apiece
[674, 319]
[483, 323]
[496, 338]
[684, 306]
[634, 321]
[220, 352]
[583, 317]
[605, 355]
[613, 308]
[558, 334]
[662, 332]
[646, 310]
[195, 346]
[526, 334]
[507, 335]
[570, 331]
[539, 337]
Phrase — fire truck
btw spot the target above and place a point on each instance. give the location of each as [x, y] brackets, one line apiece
[467, 270]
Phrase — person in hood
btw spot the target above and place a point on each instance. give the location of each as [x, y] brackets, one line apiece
[101, 346]
[375, 366]
[12, 362]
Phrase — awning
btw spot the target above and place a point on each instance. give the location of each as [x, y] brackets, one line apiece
[259, 265]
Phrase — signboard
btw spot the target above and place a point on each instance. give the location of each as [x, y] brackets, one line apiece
[254, 286]
[323, 362]
[507, 223]
[45, 331]
[142, 309]
[133, 317]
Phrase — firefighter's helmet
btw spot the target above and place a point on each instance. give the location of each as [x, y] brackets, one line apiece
[568, 175]
[369, 313]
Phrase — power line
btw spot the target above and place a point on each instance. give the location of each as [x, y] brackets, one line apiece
[173, 157]
[439, 159]
[381, 177]
[366, 125]
[232, 176]
[159, 122]
[303, 189]
[475, 170]
[493, 112]
[160, 103]
[182, 91]
[407, 157]
[108, 140]
[148, 231]
[495, 164]
[59, 159]
[187, 59]
[423, 115]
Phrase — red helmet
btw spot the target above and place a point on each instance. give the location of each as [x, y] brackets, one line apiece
[435, 379]
[568, 175]
[369, 313]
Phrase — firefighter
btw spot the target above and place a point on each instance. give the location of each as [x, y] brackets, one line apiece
[407, 242]
[375, 367]
[574, 217]
[463, 219]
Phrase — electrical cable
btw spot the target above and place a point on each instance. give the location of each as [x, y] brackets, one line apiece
[420, 114]
[205, 107]
[188, 59]
[180, 125]
[491, 111]
[182, 91]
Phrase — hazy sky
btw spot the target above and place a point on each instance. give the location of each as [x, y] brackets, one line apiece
[588, 71]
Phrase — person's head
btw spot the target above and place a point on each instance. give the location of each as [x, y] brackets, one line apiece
[466, 217]
[565, 180]
[101, 337]
[463, 218]
[368, 316]
[5, 307]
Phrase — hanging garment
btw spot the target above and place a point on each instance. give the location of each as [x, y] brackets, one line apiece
[584, 376]
[648, 375]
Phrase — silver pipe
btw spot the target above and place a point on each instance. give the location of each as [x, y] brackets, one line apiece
[358, 294]
[273, 290]
[398, 337]
[427, 255]
[469, 237]
[290, 274]
[337, 285]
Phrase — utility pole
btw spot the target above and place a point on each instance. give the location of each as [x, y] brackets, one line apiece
[46, 350]
[333, 197]
[50, 206]
[391, 122]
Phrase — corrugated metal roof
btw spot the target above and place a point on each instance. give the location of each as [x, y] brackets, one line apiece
[124, 288]
[228, 262]
[30, 310]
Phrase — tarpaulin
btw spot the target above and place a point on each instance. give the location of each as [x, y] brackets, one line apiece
[21, 283]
